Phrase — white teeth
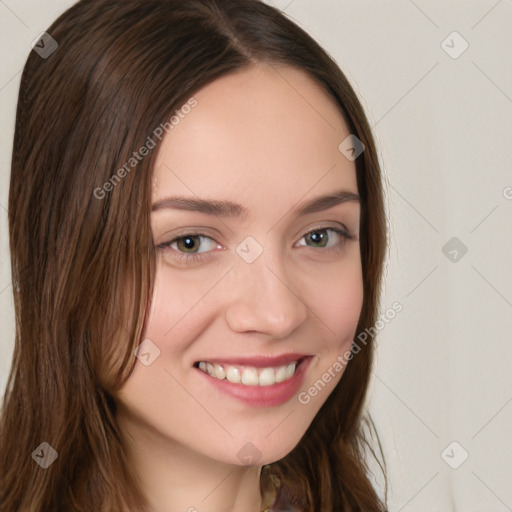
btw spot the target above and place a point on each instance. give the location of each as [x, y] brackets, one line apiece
[267, 377]
[281, 374]
[249, 376]
[219, 372]
[232, 374]
[290, 370]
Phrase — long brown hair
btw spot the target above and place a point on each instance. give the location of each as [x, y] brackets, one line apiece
[119, 71]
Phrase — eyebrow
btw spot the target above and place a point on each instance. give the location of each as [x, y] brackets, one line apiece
[222, 208]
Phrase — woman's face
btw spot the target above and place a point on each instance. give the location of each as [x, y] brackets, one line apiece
[257, 284]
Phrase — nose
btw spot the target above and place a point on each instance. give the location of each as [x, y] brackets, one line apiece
[263, 298]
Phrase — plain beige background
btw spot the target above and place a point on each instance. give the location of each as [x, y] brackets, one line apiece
[441, 106]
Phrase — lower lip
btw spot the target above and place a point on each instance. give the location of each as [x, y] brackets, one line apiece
[263, 396]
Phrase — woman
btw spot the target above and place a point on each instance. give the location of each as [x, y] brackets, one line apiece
[197, 236]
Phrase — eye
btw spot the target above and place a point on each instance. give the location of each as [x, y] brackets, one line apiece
[191, 243]
[321, 238]
[190, 246]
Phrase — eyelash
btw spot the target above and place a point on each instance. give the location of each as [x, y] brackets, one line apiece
[199, 257]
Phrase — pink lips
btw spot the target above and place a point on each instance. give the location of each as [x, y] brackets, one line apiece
[261, 396]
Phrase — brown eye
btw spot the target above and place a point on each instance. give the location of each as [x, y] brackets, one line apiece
[189, 247]
[188, 243]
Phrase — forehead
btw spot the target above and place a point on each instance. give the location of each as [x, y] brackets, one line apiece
[268, 129]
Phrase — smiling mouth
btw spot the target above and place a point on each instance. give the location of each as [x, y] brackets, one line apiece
[250, 375]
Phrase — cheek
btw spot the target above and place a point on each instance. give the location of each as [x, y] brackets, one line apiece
[338, 303]
[179, 309]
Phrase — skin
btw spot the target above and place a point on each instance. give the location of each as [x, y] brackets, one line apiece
[267, 138]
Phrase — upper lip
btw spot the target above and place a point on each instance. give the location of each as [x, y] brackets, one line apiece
[256, 361]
